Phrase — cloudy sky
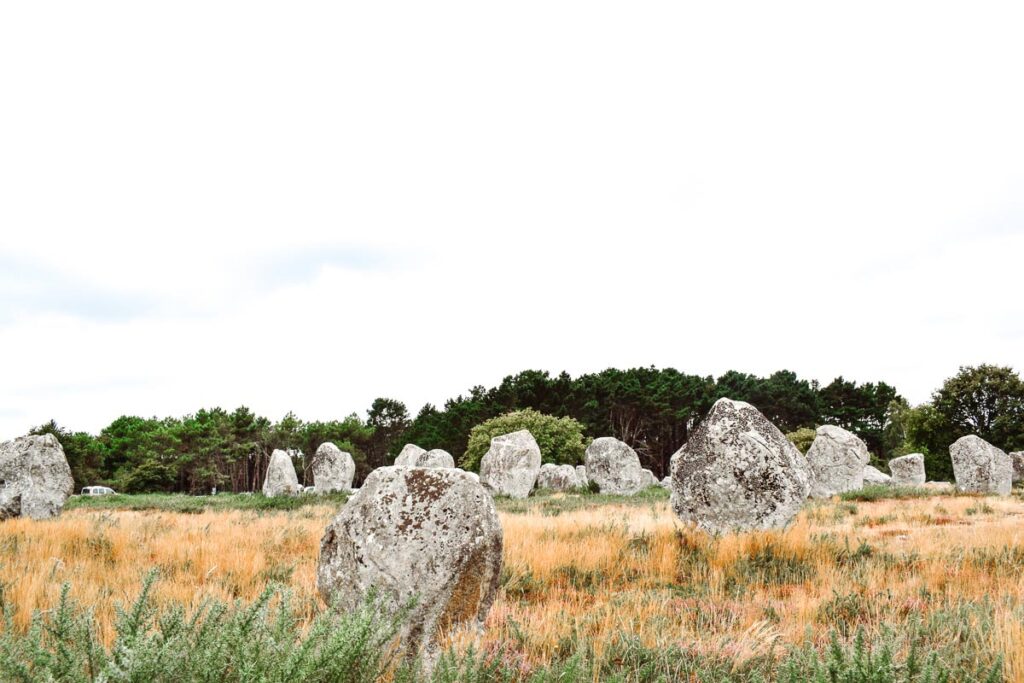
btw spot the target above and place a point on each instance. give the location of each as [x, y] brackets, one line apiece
[303, 206]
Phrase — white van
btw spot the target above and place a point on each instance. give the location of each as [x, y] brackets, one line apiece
[98, 491]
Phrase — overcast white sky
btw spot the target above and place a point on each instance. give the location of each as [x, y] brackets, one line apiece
[303, 206]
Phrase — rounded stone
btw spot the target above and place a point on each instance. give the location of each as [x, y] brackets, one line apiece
[511, 465]
[980, 467]
[837, 459]
[333, 469]
[420, 536]
[908, 470]
[35, 479]
[614, 466]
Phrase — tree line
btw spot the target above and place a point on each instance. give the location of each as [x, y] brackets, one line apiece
[652, 409]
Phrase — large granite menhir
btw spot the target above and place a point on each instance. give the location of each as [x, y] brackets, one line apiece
[35, 480]
[980, 467]
[738, 472]
[511, 465]
[837, 459]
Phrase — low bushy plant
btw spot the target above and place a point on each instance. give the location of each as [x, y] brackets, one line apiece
[560, 438]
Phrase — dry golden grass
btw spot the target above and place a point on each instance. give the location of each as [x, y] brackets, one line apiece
[586, 575]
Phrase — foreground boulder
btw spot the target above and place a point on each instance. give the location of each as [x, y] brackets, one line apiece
[1017, 463]
[837, 459]
[614, 466]
[408, 455]
[511, 465]
[333, 469]
[738, 472]
[908, 470]
[35, 480]
[980, 467]
[558, 477]
[281, 479]
[429, 535]
[872, 475]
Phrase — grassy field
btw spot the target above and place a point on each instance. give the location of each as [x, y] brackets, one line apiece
[594, 587]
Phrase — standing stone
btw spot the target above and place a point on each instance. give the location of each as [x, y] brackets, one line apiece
[649, 478]
[980, 467]
[408, 455]
[281, 479]
[614, 466]
[872, 475]
[738, 472]
[558, 477]
[511, 465]
[908, 470]
[837, 459]
[35, 480]
[428, 535]
[581, 475]
[434, 458]
[1017, 462]
[666, 483]
[333, 469]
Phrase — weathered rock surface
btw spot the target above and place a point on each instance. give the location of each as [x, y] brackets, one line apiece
[837, 459]
[908, 470]
[408, 455]
[432, 535]
[35, 480]
[581, 475]
[1017, 462]
[433, 458]
[614, 466]
[980, 467]
[872, 475]
[738, 472]
[281, 479]
[558, 477]
[511, 465]
[666, 483]
[333, 469]
[649, 478]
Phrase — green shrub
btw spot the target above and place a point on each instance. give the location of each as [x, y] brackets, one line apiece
[560, 438]
[802, 438]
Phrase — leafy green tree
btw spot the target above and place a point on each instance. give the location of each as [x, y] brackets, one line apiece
[560, 439]
[986, 400]
[389, 420]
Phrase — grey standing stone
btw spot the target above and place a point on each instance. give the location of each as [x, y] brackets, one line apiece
[410, 533]
[511, 465]
[614, 466]
[738, 472]
[35, 480]
[908, 470]
[1017, 462]
[281, 479]
[872, 475]
[980, 467]
[837, 459]
[649, 478]
[558, 477]
[666, 483]
[433, 458]
[333, 469]
[581, 475]
[408, 455]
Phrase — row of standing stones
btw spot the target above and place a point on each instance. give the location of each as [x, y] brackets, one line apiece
[425, 537]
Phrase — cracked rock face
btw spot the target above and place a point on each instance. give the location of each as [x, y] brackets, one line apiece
[432, 535]
[1017, 462]
[837, 459]
[980, 467]
[558, 477]
[873, 475]
[908, 470]
[614, 466]
[35, 480]
[333, 469]
[281, 479]
[511, 465]
[408, 455]
[738, 472]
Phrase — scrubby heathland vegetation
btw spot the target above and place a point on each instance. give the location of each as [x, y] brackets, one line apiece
[913, 588]
[652, 409]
